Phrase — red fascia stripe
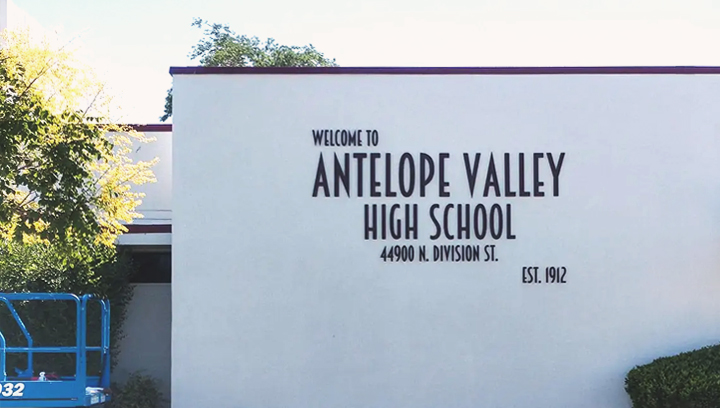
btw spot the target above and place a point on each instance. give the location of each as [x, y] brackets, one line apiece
[149, 229]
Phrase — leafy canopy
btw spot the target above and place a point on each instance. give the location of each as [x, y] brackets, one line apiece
[39, 267]
[65, 174]
[222, 47]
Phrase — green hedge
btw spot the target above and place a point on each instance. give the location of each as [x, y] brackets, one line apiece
[41, 268]
[139, 391]
[686, 380]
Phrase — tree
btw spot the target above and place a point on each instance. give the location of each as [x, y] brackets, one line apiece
[65, 174]
[222, 47]
[39, 267]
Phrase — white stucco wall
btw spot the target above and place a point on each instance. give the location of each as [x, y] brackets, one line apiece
[156, 206]
[146, 345]
[279, 300]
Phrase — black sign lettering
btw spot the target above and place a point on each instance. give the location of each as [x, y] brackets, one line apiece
[493, 181]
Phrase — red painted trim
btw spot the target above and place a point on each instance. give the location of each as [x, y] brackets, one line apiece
[149, 229]
[445, 70]
[160, 127]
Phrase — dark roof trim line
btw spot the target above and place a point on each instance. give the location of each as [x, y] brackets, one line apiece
[609, 70]
[162, 127]
[149, 229]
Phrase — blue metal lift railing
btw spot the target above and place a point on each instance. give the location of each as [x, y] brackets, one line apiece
[76, 391]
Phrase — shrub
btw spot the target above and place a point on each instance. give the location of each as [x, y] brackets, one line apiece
[139, 391]
[687, 380]
[46, 268]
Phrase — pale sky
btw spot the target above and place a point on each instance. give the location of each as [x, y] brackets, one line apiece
[134, 42]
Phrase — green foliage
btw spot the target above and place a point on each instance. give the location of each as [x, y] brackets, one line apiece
[139, 391]
[686, 380]
[64, 171]
[41, 267]
[52, 169]
[222, 47]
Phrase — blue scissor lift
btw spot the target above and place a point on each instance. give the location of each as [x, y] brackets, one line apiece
[30, 389]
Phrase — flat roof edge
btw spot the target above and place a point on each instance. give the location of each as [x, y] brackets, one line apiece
[148, 228]
[583, 70]
[154, 127]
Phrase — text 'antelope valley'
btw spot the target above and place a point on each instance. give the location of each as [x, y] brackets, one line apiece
[408, 196]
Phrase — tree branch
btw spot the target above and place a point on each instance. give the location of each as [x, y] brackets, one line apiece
[97, 94]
